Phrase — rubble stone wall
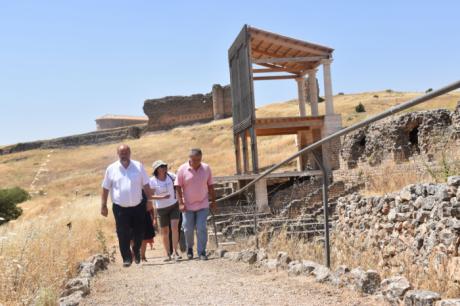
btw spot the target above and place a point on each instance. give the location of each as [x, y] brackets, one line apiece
[421, 222]
[401, 137]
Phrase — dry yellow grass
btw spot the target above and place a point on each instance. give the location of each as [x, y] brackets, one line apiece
[38, 252]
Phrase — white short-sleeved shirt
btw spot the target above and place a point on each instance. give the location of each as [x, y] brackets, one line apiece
[160, 187]
[125, 184]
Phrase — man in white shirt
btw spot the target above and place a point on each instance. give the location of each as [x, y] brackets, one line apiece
[124, 180]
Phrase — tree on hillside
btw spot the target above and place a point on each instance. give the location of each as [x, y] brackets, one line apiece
[9, 198]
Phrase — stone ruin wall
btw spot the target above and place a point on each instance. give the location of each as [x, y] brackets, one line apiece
[109, 122]
[172, 111]
[410, 140]
[96, 137]
[419, 225]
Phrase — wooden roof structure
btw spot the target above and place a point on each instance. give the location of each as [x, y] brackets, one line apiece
[276, 57]
[278, 53]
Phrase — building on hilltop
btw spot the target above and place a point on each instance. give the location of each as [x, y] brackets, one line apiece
[172, 111]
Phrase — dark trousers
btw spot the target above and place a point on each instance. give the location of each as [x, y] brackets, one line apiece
[130, 224]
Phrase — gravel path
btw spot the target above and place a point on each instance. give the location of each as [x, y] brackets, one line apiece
[215, 282]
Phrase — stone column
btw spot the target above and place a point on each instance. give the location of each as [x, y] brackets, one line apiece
[262, 196]
[218, 101]
[302, 96]
[313, 89]
[328, 86]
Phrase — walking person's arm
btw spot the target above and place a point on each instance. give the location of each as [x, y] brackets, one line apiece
[150, 207]
[212, 196]
[212, 192]
[104, 197]
[106, 185]
[180, 198]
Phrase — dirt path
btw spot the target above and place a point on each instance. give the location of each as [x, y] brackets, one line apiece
[215, 282]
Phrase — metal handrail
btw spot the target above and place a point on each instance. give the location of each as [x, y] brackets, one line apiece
[393, 110]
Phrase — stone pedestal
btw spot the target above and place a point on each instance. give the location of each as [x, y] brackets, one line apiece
[331, 150]
[262, 196]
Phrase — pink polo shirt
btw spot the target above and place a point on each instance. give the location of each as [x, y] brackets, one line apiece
[194, 184]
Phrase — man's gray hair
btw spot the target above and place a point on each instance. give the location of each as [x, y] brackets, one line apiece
[195, 152]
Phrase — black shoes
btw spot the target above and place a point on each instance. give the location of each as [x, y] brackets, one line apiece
[127, 263]
[190, 254]
[204, 256]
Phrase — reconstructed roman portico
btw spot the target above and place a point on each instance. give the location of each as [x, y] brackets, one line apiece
[258, 55]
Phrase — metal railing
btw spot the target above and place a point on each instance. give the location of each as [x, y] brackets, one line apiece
[391, 111]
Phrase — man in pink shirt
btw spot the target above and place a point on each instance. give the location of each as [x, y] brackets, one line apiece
[195, 186]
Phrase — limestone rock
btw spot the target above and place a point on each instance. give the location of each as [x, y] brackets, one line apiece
[365, 281]
[342, 269]
[261, 255]
[220, 252]
[235, 256]
[295, 268]
[405, 195]
[249, 256]
[322, 274]
[421, 298]
[283, 259]
[71, 300]
[270, 264]
[394, 288]
[76, 284]
[86, 269]
[309, 266]
[453, 181]
[100, 262]
[449, 302]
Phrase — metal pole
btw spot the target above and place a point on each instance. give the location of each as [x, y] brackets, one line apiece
[215, 227]
[327, 247]
[255, 225]
[389, 112]
[250, 199]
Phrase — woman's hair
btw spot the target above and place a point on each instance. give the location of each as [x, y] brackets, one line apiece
[155, 173]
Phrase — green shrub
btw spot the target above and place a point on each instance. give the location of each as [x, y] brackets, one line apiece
[360, 108]
[389, 90]
[340, 94]
[429, 90]
[376, 96]
[9, 198]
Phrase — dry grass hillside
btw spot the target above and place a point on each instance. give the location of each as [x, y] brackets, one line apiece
[38, 251]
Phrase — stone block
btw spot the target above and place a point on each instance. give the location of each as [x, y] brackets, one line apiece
[72, 299]
[394, 288]
[365, 281]
[421, 298]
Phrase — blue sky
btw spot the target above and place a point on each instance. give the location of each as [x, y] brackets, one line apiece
[64, 63]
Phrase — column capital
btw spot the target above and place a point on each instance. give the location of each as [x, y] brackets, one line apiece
[300, 79]
[312, 71]
[326, 61]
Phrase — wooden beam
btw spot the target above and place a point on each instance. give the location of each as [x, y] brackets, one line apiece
[275, 77]
[301, 72]
[265, 70]
[288, 59]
